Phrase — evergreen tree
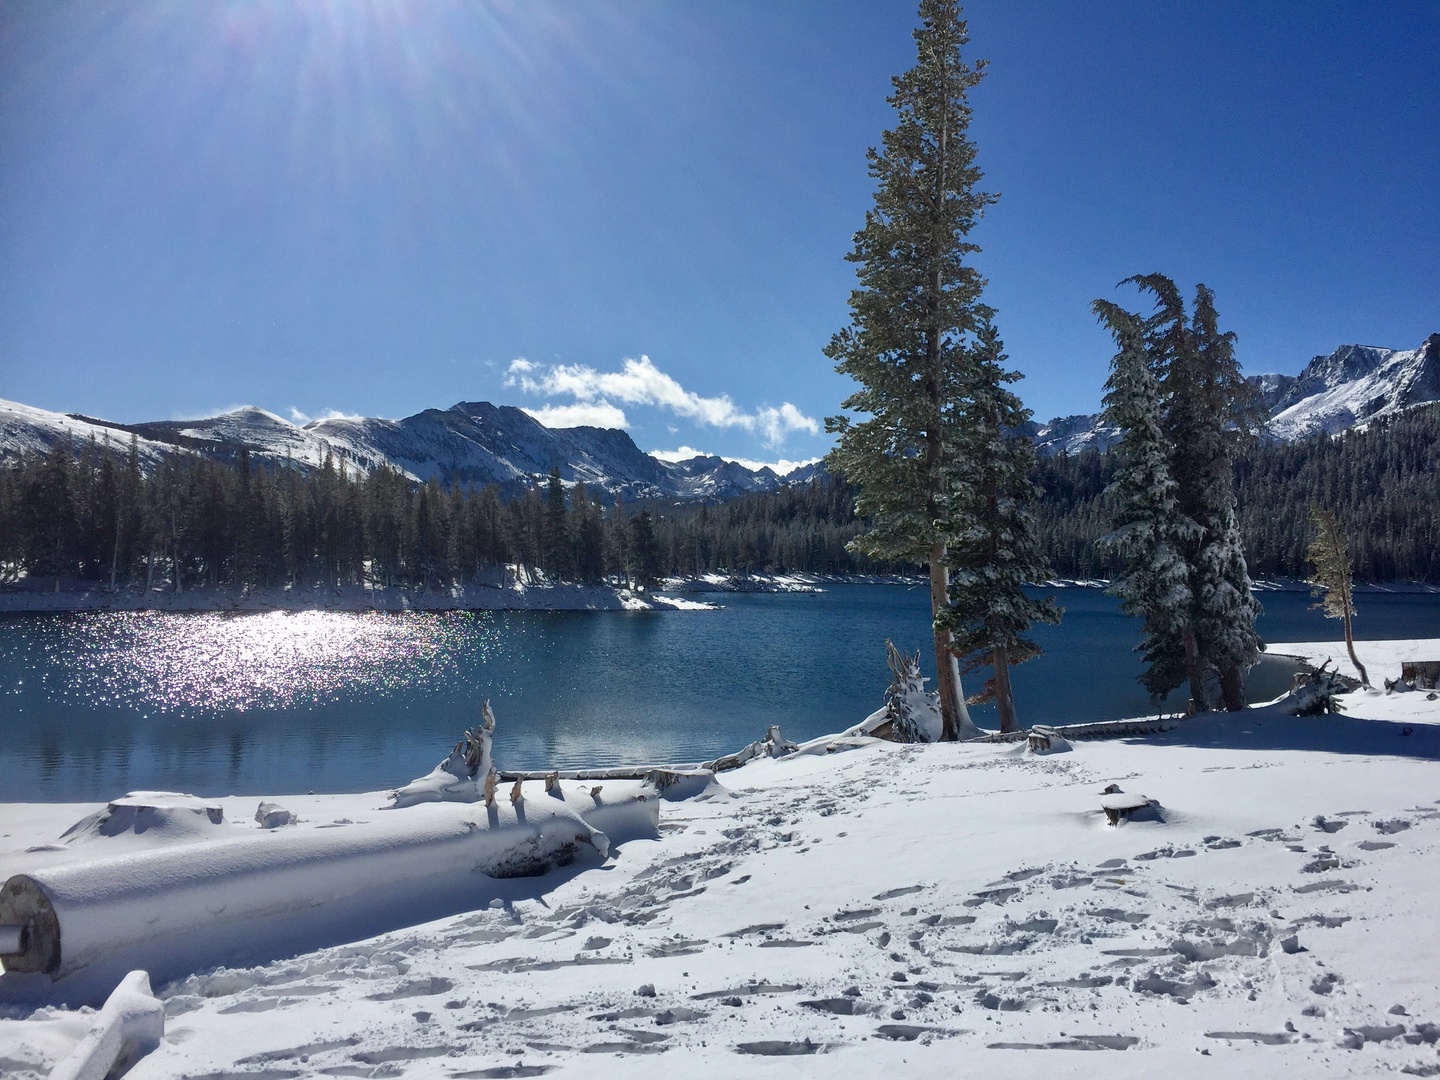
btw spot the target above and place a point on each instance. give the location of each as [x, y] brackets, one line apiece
[617, 542]
[992, 547]
[645, 568]
[1226, 608]
[1329, 553]
[1206, 407]
[1151, 534]
[589, 537]
[912, 317]
[556, 556]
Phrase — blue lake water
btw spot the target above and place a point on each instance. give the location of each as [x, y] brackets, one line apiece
[94, 705]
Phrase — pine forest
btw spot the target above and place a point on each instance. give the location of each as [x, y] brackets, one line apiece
[88, 515]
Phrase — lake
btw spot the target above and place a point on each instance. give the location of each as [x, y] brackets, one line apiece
[94, 705]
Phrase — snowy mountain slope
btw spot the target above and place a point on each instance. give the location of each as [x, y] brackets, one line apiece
[1348, 388]
[472, 443]
[1354, 385]
[1072, 434]
[481, 443]
[262, 432]
[27, 430]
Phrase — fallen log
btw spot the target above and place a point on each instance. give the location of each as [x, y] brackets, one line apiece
[237, 900]
[1104, 729]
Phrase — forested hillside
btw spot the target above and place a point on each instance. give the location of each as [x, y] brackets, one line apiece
[81, 514]
[1383, 484]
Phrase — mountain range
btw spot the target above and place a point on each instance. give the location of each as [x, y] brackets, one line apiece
[480, 443]
[470, 443]
[1348, 388]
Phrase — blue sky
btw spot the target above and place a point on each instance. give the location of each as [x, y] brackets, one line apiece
[328, 205]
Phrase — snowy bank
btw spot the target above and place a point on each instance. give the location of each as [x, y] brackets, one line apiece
[897, 909]
[506, 593]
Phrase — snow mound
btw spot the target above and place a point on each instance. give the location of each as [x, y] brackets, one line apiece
[161, 816]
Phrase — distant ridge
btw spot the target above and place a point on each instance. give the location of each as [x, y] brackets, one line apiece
[472, 442]
[1345, 389]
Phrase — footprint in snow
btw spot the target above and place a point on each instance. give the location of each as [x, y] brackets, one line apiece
[1389, 828]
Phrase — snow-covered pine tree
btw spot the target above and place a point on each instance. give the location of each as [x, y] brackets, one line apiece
[1206, 408]
[1329, 554]
[992, 549]
[1151, 533]
[916, 305]
[1225, 605]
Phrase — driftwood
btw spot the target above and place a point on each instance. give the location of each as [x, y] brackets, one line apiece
[903, 698]
[774, 745]
[473, 750]
[1421, 674]
[1313, 692]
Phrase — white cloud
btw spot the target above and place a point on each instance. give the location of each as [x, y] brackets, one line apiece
[581, 414]
[783, 467]
[777, 423]
[640, 382]
[300, 419]
[683, 453]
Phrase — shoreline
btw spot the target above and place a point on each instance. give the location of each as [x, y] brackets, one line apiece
[354, 598]
[511, 591]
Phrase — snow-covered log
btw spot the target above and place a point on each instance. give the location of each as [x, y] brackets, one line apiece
[1104, 729]
[190, 905]
[1046, 740]
[129, 1026]
[1120, 806]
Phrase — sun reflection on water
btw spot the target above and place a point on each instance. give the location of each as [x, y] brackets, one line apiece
[261, 660]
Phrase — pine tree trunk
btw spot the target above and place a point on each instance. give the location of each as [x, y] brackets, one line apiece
[1350, 648]
[1232, 689]
[115, 553]
[1195, 673]
[954, 715]
[1004, 694]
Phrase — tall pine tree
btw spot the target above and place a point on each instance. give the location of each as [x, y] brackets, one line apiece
[1151, 534]
[992, 547]
[913, 320]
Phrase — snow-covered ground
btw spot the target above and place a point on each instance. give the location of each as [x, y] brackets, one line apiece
[922, 911]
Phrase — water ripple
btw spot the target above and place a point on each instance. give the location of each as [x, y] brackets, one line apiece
[263, 660]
